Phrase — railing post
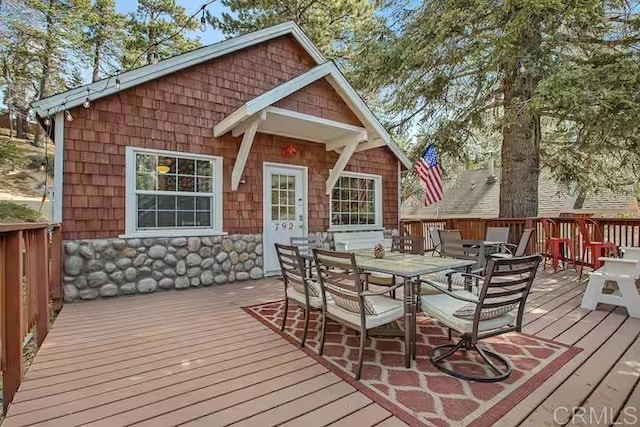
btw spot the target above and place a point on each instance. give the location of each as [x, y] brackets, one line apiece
[55, 279]
[41, 282]
[11, 316]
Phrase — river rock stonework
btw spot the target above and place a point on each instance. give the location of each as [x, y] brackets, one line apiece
[111, 267]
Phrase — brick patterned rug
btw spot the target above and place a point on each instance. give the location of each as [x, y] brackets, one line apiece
[422, 395]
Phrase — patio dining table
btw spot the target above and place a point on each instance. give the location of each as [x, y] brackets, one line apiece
[409, 267]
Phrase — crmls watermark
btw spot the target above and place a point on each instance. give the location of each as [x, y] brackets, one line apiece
[596, 416]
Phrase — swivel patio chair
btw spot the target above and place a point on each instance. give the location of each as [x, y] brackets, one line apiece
[477, 317]
[345, 300]
[590, 230]
[299, 289]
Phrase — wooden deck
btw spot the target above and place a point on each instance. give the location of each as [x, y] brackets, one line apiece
[194, 356]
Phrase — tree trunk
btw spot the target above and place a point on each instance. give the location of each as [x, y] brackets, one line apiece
[152, 39]
[21, 123]
[520, 150]
[96, 62]
[10, 109]
[47, 56]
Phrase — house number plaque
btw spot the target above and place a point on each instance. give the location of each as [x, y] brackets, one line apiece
[283, 226]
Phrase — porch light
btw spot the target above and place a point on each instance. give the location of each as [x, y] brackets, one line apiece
[68, 116]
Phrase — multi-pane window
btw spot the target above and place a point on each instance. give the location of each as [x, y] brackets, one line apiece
[355, 202]
[283, 197]
[172, 190]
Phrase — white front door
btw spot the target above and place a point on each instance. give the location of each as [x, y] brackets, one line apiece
[285, 209]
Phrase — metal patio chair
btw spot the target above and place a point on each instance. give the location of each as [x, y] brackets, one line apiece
[434, 234]
[403, 244]
[346, 301]
[477, 317]
[305, 245]
[520, 249]
[298, 288]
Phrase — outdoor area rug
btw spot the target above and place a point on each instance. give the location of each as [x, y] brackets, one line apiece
[423, 395]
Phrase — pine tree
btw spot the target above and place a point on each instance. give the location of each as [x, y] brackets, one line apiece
[157, 29]
[332, 25]
[103, 38]
[557, 80]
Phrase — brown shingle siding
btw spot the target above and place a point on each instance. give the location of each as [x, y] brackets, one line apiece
[178, 112]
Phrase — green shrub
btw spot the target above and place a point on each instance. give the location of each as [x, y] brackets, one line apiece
[15, 212]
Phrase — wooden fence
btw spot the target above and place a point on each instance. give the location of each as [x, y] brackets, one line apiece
[30, 285]
[624, 232]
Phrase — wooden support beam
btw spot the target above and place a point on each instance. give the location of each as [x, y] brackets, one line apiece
[341, 163]
[242, 127]
[341, 142]
[243, 154]
[368, 145]
[12, 302]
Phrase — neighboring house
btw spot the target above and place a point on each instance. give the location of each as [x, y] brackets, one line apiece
[186, 172]
[476, 193]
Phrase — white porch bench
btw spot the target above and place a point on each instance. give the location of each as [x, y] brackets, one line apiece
[351, 240]
[624, 271]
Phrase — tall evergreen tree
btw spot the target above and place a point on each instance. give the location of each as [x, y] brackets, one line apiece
[104, 38]
[332, 25]
[158, 28]
[453, 69]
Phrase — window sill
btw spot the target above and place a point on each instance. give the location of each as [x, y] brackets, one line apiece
[172, 233]
[342, 230]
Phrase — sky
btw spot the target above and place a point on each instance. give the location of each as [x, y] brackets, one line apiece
[191, 6]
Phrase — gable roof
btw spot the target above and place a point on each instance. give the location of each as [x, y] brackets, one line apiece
[47, 107]
[379, 135]
[105, 87]
[473, 194]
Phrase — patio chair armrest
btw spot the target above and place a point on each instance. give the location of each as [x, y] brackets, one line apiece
[473, 275]
[448, 292]
[510, 247]
[369, 293]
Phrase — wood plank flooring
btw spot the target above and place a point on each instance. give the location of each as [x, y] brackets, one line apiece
[194, 357]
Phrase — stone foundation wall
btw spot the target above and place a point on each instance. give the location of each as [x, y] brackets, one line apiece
[111, 267]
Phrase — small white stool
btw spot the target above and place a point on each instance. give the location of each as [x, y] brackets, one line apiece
[622, 271]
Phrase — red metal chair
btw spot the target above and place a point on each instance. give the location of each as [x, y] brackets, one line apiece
[553, 245]
[586, 227]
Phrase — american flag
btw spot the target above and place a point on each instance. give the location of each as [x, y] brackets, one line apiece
[429, 171]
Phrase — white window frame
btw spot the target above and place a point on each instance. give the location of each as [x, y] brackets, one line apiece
[378, 225]
[130, 200]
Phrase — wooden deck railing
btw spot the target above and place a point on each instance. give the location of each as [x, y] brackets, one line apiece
[30, 284]
[623, 232]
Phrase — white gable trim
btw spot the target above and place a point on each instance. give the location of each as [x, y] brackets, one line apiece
[340, 85]
[270, 97]
[100, 89]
